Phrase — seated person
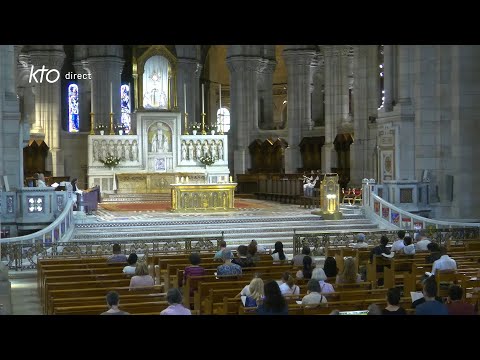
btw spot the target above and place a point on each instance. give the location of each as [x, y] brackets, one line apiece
[174, 299]
[132, 264]
[380, 249]
[422, 241]
[444, 263]
[399, 243]
[455, 305]
[330, 267]
[306, 271]
[287, 285]
[278, 254]
[242, 259]
[113, 300]
[298, 259]
[273, 303]
[319, 275]
[75, 188]
[252, 251]
[393, 299]
[256, 290]
[408, 246]
[228, 268]
[349, 274]
[193, 270]
[430, 306]
[434, 249]
[360, 242]
[142, 278]
[117, 254]
[218, 254]
[313, 297]
[40, 180]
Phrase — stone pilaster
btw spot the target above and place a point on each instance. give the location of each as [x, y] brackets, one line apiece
[300, 64]
[266, 93]
[11, 129]
[187, 74]
[244, 107]
[388, 73]
[47, 105]
[106, 72]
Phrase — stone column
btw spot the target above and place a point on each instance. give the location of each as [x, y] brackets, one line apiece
[106, 71]
[244, 105]
[388, 76]
[266, 91]
[300, 64]
[47, 103]
[329, 155]
[11, 131]
[365, 88]
[318, 106]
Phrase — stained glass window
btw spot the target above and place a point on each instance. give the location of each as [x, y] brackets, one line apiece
[126, 109]
[223, 119]
[73, 117]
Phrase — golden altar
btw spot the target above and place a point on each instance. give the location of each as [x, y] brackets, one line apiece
[203, 197]
[147, 183]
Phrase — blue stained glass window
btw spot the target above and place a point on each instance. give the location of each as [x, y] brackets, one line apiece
[73, 117]
[125, 99]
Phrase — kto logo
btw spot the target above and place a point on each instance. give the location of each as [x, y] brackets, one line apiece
[52, 75]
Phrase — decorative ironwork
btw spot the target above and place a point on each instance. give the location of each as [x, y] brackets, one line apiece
[204, 244]
[10, 204]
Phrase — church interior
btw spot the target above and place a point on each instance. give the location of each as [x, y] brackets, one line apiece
[174, 150]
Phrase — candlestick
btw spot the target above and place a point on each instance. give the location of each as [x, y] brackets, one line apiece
[220, 95]
[111, 98]
[112, 131]
[92, 124]
[185, 96]
[185, 131]
[203, 99]
[91, 96]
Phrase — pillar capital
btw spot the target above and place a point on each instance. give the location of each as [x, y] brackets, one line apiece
[238, 64]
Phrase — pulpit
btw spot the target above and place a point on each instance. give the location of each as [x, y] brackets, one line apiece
[88, 200]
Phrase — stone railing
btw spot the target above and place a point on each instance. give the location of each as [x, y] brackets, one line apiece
[16, 250]
[24, 255]
[392, 217]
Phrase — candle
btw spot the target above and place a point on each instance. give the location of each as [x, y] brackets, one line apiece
[231, 179]
[203, 99]
[111, 98]
[220, 95]
[185, 96]
[91, 97]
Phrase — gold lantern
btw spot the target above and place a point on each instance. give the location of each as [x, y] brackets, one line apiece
[330, 197]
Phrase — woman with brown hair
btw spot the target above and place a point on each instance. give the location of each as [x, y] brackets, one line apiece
[349, 274]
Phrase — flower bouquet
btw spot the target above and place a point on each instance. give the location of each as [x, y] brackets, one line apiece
[207, 160]
[195, 127]
[110, 161]
[101, 128]
[119, 128]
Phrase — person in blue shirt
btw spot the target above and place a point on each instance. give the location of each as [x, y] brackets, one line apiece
[431, 306]
[274, 303]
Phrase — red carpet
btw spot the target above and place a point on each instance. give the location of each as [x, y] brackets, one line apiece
[166, 206]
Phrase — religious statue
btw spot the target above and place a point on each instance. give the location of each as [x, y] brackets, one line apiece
[309, 185]
[205, 148]
[94, 150]
[134, 150]
[198, 150]
[165, 143]
[154, 143]
[122, 151]
[184, 150]
[128, 150]
[190, 150]
[220, 150]
[213, 150]
[118, 148]
[103, 151]
[111, 148]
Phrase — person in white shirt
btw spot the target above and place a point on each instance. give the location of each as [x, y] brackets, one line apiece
[132, 264]
[40, 180]
[360, 241]
[398, 244]
[319, 275]
[313, 296]
[444, 263]
[287, 285]
[409, 247]
[422, 241]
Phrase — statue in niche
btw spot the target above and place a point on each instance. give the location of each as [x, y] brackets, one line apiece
[184, 150]
[198, 150]
[213, 150]
[94, 150]
[128, 151]
[134, 150]
[111, 148]
[122, 151]
[165, 146]
[118, 148]
[154, 143]
[190, 150]
[220, 150]
[205, 148]
[103, 150]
